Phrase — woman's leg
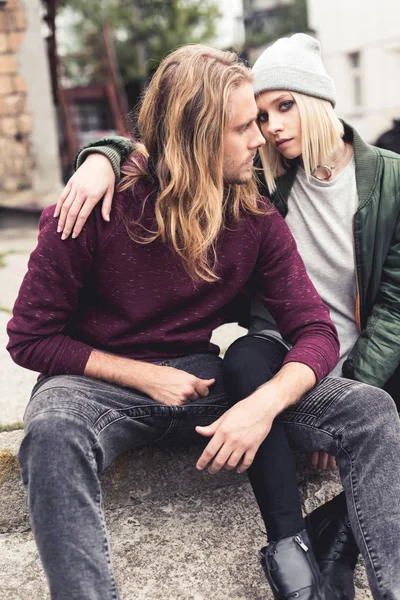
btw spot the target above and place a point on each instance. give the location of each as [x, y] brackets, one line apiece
[248, 363]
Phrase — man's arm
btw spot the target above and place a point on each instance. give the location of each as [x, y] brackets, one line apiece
[237, 435]
[47, 302]
[164, 384]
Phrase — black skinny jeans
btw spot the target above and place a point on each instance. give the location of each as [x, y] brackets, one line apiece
[249, 362]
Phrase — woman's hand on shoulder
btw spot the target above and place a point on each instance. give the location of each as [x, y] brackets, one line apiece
[94, 180]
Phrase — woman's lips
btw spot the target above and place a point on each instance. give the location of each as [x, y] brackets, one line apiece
[283, 143]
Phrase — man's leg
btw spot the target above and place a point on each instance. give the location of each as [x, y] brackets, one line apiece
[359, 425]
[75, 427]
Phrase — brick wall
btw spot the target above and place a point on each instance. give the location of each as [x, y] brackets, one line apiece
[16, 161]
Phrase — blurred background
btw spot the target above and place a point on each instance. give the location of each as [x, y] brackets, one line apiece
[72, 70]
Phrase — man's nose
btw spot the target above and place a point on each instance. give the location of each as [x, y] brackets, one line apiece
[257, 139]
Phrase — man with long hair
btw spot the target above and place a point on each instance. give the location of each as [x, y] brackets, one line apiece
[118, 322]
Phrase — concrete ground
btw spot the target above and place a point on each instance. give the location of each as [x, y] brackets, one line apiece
[176, 534]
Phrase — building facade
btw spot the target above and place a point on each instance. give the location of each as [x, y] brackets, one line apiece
[230, 28]
[361, 50]
[262, 20]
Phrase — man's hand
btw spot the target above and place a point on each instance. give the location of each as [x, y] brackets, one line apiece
[322, 460]
[175, 387]
[164, 384]
[93, 180]
[237, 435]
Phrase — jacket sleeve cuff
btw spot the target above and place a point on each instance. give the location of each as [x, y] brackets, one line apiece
[110, 152]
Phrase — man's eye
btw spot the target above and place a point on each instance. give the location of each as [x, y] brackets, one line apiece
[262, 118]
[286, 105]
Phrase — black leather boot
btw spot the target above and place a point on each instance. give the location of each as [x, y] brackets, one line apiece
[292, 570]
[334, 545]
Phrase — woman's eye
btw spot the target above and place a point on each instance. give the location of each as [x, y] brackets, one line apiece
[286, 105]
[262, 118]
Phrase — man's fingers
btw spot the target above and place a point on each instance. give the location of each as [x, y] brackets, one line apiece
[203, 385]
[247, 461]
[220, 460]
[233, 460]
[210, 450]
[62, 197]
[208, 430]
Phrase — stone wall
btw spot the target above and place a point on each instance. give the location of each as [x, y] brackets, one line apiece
[16, 160]
[30, 174]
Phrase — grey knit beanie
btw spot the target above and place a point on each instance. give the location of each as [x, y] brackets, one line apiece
[294, 64]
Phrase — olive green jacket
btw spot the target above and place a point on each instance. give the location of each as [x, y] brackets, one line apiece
[376, 233]
[376, 228]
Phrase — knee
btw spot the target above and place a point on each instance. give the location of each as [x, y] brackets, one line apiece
[371, 410]
[248, 363]
[51, 433]
[238, 353]
[250, 353]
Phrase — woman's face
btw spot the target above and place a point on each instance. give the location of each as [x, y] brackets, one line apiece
[279, 121]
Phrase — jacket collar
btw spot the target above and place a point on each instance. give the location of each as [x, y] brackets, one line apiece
[366, 159]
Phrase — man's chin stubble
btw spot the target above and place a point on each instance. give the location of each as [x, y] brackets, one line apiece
[237, 181]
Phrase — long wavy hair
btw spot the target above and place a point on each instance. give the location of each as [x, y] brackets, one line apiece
[321, 132]
[181, 124]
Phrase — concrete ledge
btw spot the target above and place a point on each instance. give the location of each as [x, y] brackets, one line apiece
[176, 534]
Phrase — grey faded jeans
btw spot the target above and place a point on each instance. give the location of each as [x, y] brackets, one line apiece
[76, 426]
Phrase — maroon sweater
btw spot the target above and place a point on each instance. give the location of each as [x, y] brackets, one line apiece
[105, 291]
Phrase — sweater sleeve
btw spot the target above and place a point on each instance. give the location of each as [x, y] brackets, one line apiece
[48, 300]
[116, 149]
[284, 286]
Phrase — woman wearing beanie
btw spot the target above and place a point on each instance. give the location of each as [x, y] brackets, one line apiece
[340, 198]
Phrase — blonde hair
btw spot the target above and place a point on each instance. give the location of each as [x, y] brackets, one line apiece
[321, 132]
[181, 122]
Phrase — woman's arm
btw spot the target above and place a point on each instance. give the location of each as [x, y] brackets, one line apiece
[376, 354]
[97, 171]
